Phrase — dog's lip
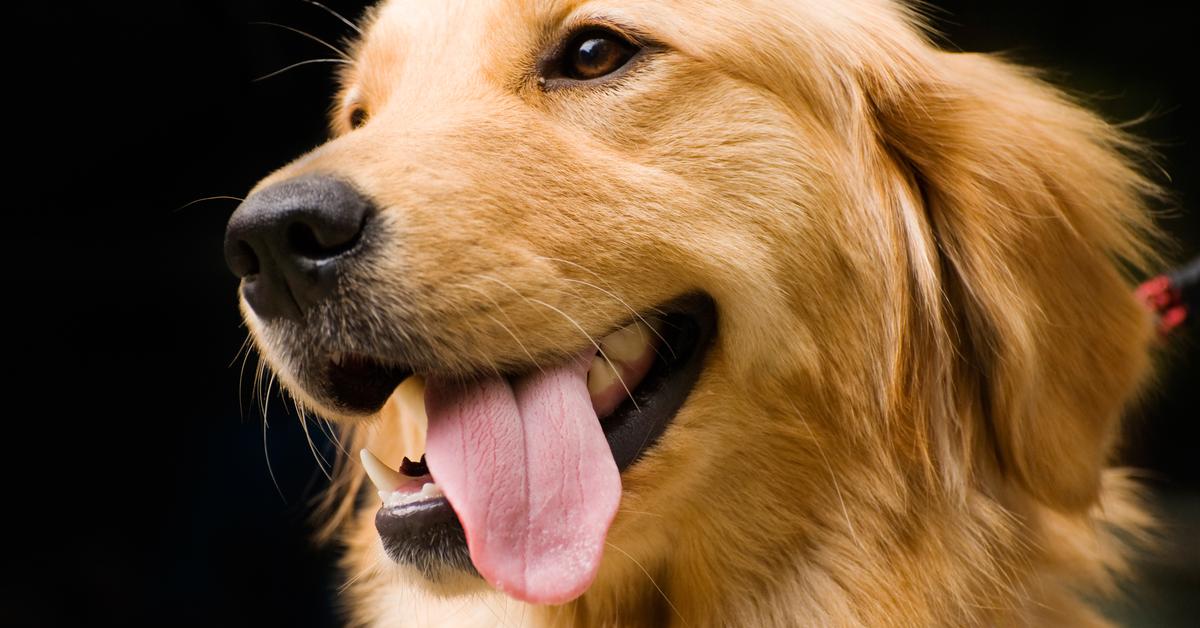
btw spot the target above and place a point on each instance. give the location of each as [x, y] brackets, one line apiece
[358, 384]
[689, 326]
[361, 384]
[426, 535]
[413, 531]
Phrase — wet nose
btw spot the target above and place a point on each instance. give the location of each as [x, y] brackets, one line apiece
[289, 242]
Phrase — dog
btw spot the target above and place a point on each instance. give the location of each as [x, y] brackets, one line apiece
[700, 313]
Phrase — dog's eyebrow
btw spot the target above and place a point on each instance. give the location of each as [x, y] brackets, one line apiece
[620, 24]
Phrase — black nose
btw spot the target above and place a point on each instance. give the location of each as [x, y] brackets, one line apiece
[288, 242]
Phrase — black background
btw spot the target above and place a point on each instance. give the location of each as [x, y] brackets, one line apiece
[138, 487]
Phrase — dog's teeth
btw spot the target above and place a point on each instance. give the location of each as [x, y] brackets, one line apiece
[428, 491]
[385, 478]
[600, 376]
[628, 343]
[336, 358]
[409, 400]
[622, 347]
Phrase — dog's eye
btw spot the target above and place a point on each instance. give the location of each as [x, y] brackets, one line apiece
[358, 117]
[595, 53]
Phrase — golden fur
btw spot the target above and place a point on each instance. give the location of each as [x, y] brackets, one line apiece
[927, 335]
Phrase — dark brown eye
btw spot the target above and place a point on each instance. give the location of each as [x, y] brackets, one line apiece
[596, 53]
[358, 117]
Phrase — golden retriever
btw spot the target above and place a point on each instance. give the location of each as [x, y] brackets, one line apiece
[723, 313]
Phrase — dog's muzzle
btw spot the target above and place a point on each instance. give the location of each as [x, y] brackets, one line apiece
[288, 242]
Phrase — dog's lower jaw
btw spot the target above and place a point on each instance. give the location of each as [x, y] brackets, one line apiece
[401, 596]
[804, 591]
[937, 571]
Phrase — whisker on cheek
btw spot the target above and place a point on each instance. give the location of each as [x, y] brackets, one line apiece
[207, 199]
[506, 328]
[335, 14]
[340, 53]
[302, 63]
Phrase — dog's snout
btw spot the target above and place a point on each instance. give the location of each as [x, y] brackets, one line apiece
[288, 242]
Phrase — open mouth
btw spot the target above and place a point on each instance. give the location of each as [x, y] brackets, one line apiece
[522, 477]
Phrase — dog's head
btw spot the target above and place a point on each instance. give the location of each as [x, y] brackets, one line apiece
[840, 271]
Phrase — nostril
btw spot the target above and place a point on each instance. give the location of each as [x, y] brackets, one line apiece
[322, 241]
[242, 259]
[302, 240]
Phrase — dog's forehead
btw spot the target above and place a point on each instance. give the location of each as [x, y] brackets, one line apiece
[441, 29]
[447, 27]
[457, 36]
[428, 53]
[436, 44]
[432, 21]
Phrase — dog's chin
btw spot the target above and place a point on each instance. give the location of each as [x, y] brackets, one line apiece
[450, 584]
[445, 580]
[423, 533]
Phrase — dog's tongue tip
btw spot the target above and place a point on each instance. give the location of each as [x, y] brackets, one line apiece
[529, 473]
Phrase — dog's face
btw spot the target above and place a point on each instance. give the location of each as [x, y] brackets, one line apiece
[823, 282]
[488, 164]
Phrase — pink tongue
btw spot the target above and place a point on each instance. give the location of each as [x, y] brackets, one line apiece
[530, 475]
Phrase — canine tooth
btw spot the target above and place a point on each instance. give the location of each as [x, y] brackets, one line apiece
[385, 478]
[628, 343]
[600, 376]
[409, 400]
[429, 489]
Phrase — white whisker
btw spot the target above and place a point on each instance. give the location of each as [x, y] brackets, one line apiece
[209, 198]
[635, 313]
[652, 581]
[322, 463]
[338, 51]
[260, 371]
[330, 432]
[581, 330]
[267, 457]
[640, 512]
[242, 376]
[502, 325]
[615, 297]
[244, 347]
[483, 600]
[296, 65]
[355, 578]
[591, 272]
[828, 467]
[339, 16]
[266, 398]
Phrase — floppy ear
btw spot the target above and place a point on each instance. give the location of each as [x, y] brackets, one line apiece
[1036, 212]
